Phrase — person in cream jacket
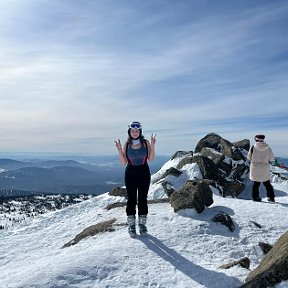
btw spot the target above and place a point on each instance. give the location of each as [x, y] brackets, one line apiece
[260, 155]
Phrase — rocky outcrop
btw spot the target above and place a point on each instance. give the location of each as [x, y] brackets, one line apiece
[220, 161]
[273, 268]
[227, 164]
[194, 194]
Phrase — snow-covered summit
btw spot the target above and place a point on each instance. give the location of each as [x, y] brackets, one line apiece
[183, 249]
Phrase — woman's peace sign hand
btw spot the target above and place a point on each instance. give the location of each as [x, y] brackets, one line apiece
[153, 138]
[118, 145]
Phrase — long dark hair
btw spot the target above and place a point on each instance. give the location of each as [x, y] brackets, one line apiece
[141, 137]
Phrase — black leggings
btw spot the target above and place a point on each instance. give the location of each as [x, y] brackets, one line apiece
[268, 186]
[137, 178]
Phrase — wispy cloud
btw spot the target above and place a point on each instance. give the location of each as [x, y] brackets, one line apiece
[72, 72]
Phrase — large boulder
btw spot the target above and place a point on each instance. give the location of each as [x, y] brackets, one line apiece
[194, 194]
[207, 167]
[215, 142]
[243, 144]
[219, 159]
[232, 188]
[273, 268]
[223, 146]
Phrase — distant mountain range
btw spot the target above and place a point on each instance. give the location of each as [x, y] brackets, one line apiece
[90, 175]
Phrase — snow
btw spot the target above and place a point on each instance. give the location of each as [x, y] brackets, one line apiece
[183, 249]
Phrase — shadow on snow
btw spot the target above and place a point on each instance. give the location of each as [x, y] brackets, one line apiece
[208, 278]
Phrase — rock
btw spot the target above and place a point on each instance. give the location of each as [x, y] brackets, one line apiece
[240, 171]
[224, 219]
[233, 188]
[194, 194]
[207, 167]
[116, 205]
[265, 247]
[218, 159]
[186, 160]
[168, 188]
[243, 262]
[123, 204]
[172, 171]
[216, 142]
[237, 154]
[273, 268]
[105, 226]
[244, 144]
[180, 154]
[118, 191]
[256, 224]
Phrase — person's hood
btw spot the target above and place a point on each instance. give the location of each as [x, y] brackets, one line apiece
[261, 146]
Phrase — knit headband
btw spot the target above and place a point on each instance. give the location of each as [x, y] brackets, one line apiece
[259, 138]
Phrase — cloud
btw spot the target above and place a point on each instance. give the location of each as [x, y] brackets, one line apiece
[72, 71]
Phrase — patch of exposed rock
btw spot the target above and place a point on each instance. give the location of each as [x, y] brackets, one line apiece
[180, 154]
[194, 194]
[243, 262]
[105, 226]
[265, 247]
[224, 219]
[118, 191]
[168, 188]
[273, 268]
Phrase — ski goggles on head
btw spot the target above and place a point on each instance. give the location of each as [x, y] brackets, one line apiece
[135, 126]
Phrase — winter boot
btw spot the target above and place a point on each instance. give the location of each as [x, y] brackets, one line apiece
[142, 224]
[131, 225]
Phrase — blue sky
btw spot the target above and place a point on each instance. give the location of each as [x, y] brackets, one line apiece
[75, 73]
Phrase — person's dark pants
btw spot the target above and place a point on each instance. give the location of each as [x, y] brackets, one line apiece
[268, 186]
[137, 179]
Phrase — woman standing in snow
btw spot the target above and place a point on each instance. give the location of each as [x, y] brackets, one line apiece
[134, 154]
[260, 155]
